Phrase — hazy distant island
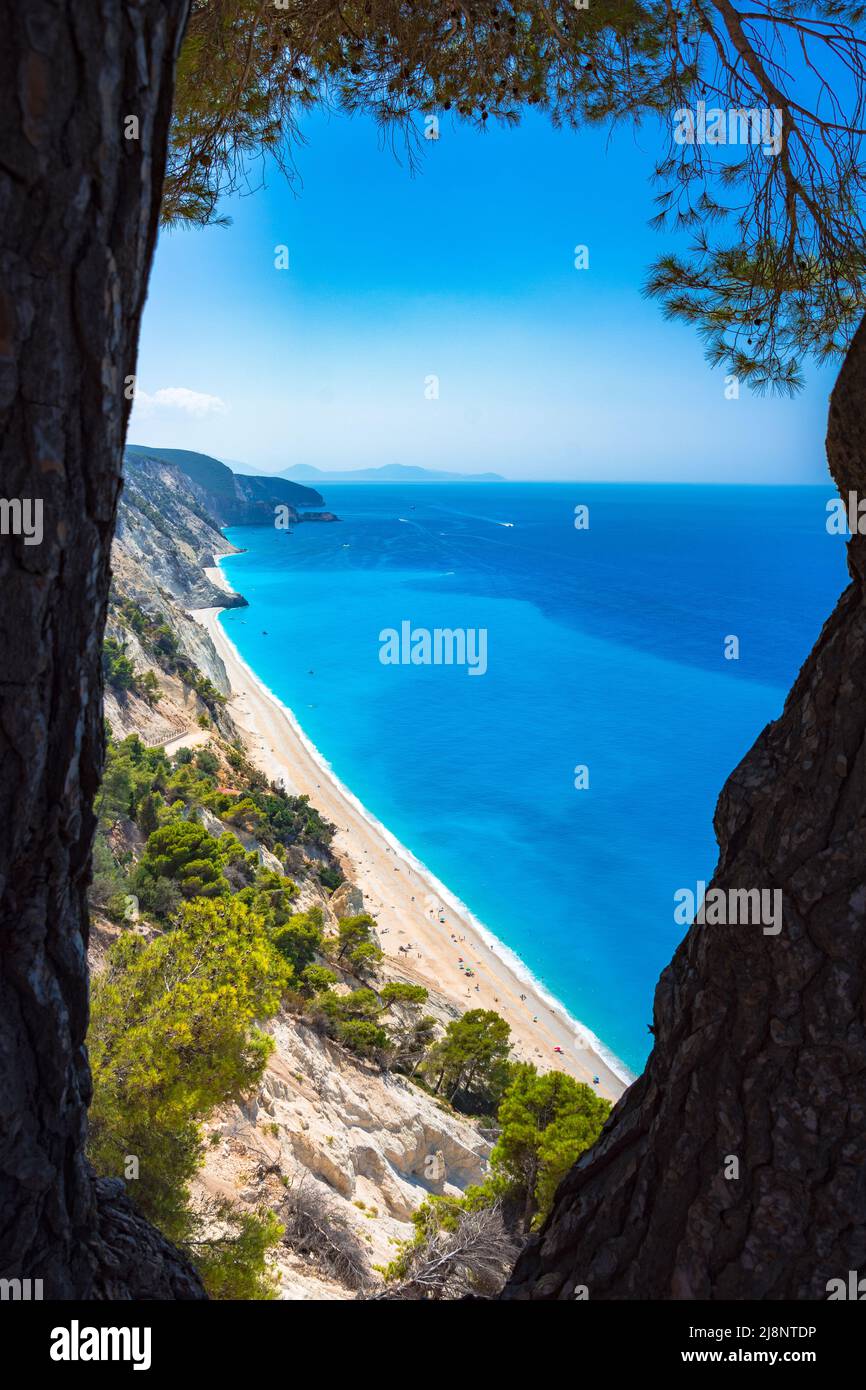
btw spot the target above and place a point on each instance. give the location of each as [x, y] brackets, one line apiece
[387, 473]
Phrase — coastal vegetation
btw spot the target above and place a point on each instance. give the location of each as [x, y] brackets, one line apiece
[160, 647]
[174, 1033]
[544, 1122]
[118, 670]
[470, 1063]
[207, 946]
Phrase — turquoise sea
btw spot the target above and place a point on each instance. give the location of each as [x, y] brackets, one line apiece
[605, 648]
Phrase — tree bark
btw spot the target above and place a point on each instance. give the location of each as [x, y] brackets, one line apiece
[760, 1040]
[79, 204]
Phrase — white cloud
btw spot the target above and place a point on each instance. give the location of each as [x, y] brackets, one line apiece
[196, 403]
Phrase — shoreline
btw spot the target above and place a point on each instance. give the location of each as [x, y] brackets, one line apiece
[438, 930]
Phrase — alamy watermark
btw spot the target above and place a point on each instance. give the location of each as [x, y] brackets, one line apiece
[760, 125]
[22, 516]
[845, 520]
[77, 1343]
[20, 1290]
[438, 646]
[853, 1289]
[730, 907]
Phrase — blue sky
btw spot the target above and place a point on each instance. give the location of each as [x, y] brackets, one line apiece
[464, 272]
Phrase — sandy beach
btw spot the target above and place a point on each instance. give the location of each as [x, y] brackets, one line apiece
[420, 928]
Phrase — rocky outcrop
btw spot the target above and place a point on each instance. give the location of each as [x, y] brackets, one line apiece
[367, 1146]
[372, 1145]
[735, 1167]
[165, 539]
[155, 724]
[163, 546]
[347, 900]
[235, 499]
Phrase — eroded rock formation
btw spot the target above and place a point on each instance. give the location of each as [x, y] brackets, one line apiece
[369, 1144]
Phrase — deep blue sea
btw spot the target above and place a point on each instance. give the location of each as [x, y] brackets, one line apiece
[605, 649]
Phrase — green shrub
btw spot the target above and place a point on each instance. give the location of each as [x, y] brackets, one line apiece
[173, 1034]
[118, 670]
[185, 853]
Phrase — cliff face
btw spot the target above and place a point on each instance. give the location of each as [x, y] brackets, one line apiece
[331, 1140]
[326, 1140]
[165, 538]
[760, 1040]
[360, 1148]
[164, 542]
[340, 1150]
[164, 550]
[235, 499]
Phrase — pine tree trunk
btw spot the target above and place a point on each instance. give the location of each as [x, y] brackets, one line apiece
[760, 1040]
[78, 217]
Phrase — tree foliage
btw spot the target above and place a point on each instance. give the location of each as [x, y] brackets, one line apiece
[300, 938]
[188, 855]
[470, 1063]
[173, 1034]
[233, 1265]
[464, 1245]
[355, 940]
[396, 992]
[776, 264]
[357, 1018]
[131, 772]
[353, 1020]
[117, 668]
[546, 1122]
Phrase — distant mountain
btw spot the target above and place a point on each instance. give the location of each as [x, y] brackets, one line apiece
[231, 500]
[388, 473]
[248, 469]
